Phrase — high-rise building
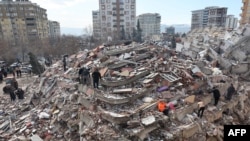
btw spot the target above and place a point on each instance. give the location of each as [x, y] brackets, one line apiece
[54, 29]
[96, 24]
[231, 22]
[150, 24]
[21, 21]
[245, 15]
[170, 30]
[114, 16]
[210, 16]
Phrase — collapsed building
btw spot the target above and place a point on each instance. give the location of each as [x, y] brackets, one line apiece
[134, 78]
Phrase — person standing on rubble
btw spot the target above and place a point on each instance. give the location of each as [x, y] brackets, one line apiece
[230, 91]
[11, 90]
[85, 76]
[14, 84]
[216, 94]
[64, 63]
[162, 107]
[201, 109]
[96, 75]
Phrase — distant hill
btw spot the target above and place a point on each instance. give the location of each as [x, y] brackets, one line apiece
[180, 28]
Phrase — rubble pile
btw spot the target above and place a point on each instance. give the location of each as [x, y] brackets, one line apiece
[134, 78]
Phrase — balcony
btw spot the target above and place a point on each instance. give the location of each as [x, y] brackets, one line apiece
[242, 8]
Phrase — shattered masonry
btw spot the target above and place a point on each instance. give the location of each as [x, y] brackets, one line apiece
[134, 78]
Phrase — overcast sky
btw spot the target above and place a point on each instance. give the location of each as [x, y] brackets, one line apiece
[78, 13]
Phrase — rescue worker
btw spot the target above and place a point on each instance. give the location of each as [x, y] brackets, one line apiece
[162, 107]
[20, 93]
[230, 91]
[85, 76]
[201, 109]
[216, 95]
[11, 90]
[14, 84]
[96, 75]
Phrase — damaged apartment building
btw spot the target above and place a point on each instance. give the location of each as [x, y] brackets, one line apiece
[134, 78]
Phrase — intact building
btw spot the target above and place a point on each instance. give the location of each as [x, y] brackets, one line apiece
[231, 22]
[170, 30]
[245, 15]
[150, 24]
[96, 24]
[210, 16]
[54, 29]
[114, 16]
[22, 20]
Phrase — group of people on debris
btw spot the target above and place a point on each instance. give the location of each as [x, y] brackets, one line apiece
[17, 72]
[216, 95]
[84, 76]
[165, 107]
[13, 90]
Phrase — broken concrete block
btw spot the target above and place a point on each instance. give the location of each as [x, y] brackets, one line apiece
[35, 138]
[190, 99]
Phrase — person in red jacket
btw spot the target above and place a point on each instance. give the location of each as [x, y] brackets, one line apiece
[162, 107]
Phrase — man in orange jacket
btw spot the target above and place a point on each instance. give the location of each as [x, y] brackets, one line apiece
[162, 107]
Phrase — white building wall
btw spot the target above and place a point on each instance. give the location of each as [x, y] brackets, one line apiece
[109, 16]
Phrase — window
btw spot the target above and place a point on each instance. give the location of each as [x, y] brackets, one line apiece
[132, 7]
[108, 6]
[103, 12]
[126, 12]
[108, 1]
[102, 1]
[103, 7]
[109, 12]
[127, 1]
[127, 24]
[104, 18]
[108, 24]
[132, 17]
[127, 6]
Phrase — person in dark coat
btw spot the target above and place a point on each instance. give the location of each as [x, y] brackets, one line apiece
[80, 75]
[230, 92]
[1, 77]
[12, 93]
[85, 76]
[64, 63]
[96, 75]
[20, 93]
[14, 84]
[216, 94]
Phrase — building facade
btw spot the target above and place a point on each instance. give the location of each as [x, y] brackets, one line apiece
[114, 16]
[22, 20]
[210, 16]
[170, 30]
[150, 24]
[245, 15]
[231, 22]
[197, 19]
[96, 24]
[54, 29]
